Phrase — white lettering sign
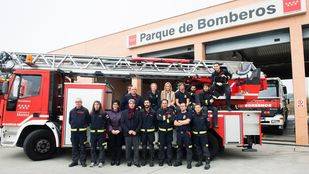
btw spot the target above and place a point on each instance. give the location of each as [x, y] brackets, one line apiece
[263, 10]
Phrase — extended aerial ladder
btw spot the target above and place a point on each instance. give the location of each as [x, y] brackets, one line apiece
[109, 66]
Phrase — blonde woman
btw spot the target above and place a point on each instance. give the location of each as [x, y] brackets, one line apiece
[168, 94]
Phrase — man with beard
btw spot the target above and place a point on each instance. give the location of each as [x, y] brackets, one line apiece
[148, 127]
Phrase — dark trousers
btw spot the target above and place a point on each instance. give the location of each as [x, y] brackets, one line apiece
[184, 140]
[132, 142]
[148, 139]
[214, 111]
[97, 140]
[79, 140]
[165, 140]
[115, 146]
[226, 90]
[201, 146]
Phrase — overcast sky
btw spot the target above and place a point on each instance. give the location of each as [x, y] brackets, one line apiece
[45, 25]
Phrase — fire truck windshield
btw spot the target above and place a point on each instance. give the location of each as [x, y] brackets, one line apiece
[271, 91]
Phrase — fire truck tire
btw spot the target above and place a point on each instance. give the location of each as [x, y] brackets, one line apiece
[40, 145]
[213, 145]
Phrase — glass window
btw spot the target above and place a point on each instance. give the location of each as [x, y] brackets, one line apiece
[25, 86]
[271, 91]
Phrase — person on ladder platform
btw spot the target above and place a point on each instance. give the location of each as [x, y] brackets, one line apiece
[182, 96]
[131, 124]
[200, 125]
[207, 99]
[165, 124]
[182, 123]
[97, 134]
[79, 120]
[193, 97]
[148, 127]
[219, 79]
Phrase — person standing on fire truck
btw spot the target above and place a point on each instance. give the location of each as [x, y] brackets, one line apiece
[148, 128]
[193, 97]
[165, 124]
[132, 95]
[182, 123]
[131, 124]
[79, 120]
[154, 96]
[182, 96]
[97, 134]
[219, 79]
[200, 125]
[207, 99]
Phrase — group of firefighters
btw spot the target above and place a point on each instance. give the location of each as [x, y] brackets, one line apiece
[137, 118]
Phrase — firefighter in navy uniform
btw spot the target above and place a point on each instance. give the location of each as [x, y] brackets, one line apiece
[79, 120]
[148, 128]
[182, 96]
[165, 126]
[207, 99]
[193, 97]
[200, 125]
[219, 79]
[154, 96]
[182, 124]
[98, 125]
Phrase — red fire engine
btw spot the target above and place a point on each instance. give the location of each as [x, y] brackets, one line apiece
[273, 104]
[39, 91]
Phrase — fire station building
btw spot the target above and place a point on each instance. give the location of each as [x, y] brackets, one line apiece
[274, 34]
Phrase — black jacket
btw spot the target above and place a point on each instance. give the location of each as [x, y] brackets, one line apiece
[130, 124]
[154, 99]
[138, 101]
[99, 120]
[165, 118]
[205, 97]
[149, 119]
[79, 118]
[217, 77]
[199, 121]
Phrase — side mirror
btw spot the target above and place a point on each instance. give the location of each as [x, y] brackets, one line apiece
[5, 87]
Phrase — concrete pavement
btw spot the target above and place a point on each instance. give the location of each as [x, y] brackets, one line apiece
[269, 159]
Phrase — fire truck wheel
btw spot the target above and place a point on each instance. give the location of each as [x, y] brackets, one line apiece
[213, 145]
[40, 145]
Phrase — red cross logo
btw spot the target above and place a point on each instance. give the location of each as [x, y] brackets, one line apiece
[132, 40]
[291, 5]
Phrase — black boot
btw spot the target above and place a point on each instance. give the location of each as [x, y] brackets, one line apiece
[207, 165]
[189, 165]
[151, 163]
[161, 163]
[113, 162]
[199, 163]
[177, 163]
[73, 164]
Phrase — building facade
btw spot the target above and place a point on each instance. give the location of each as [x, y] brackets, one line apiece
[274, 34]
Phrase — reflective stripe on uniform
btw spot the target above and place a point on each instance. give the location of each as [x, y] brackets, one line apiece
[97, 130]
[198, 133]
[165, 130]
[78, 129]
[147, 130]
